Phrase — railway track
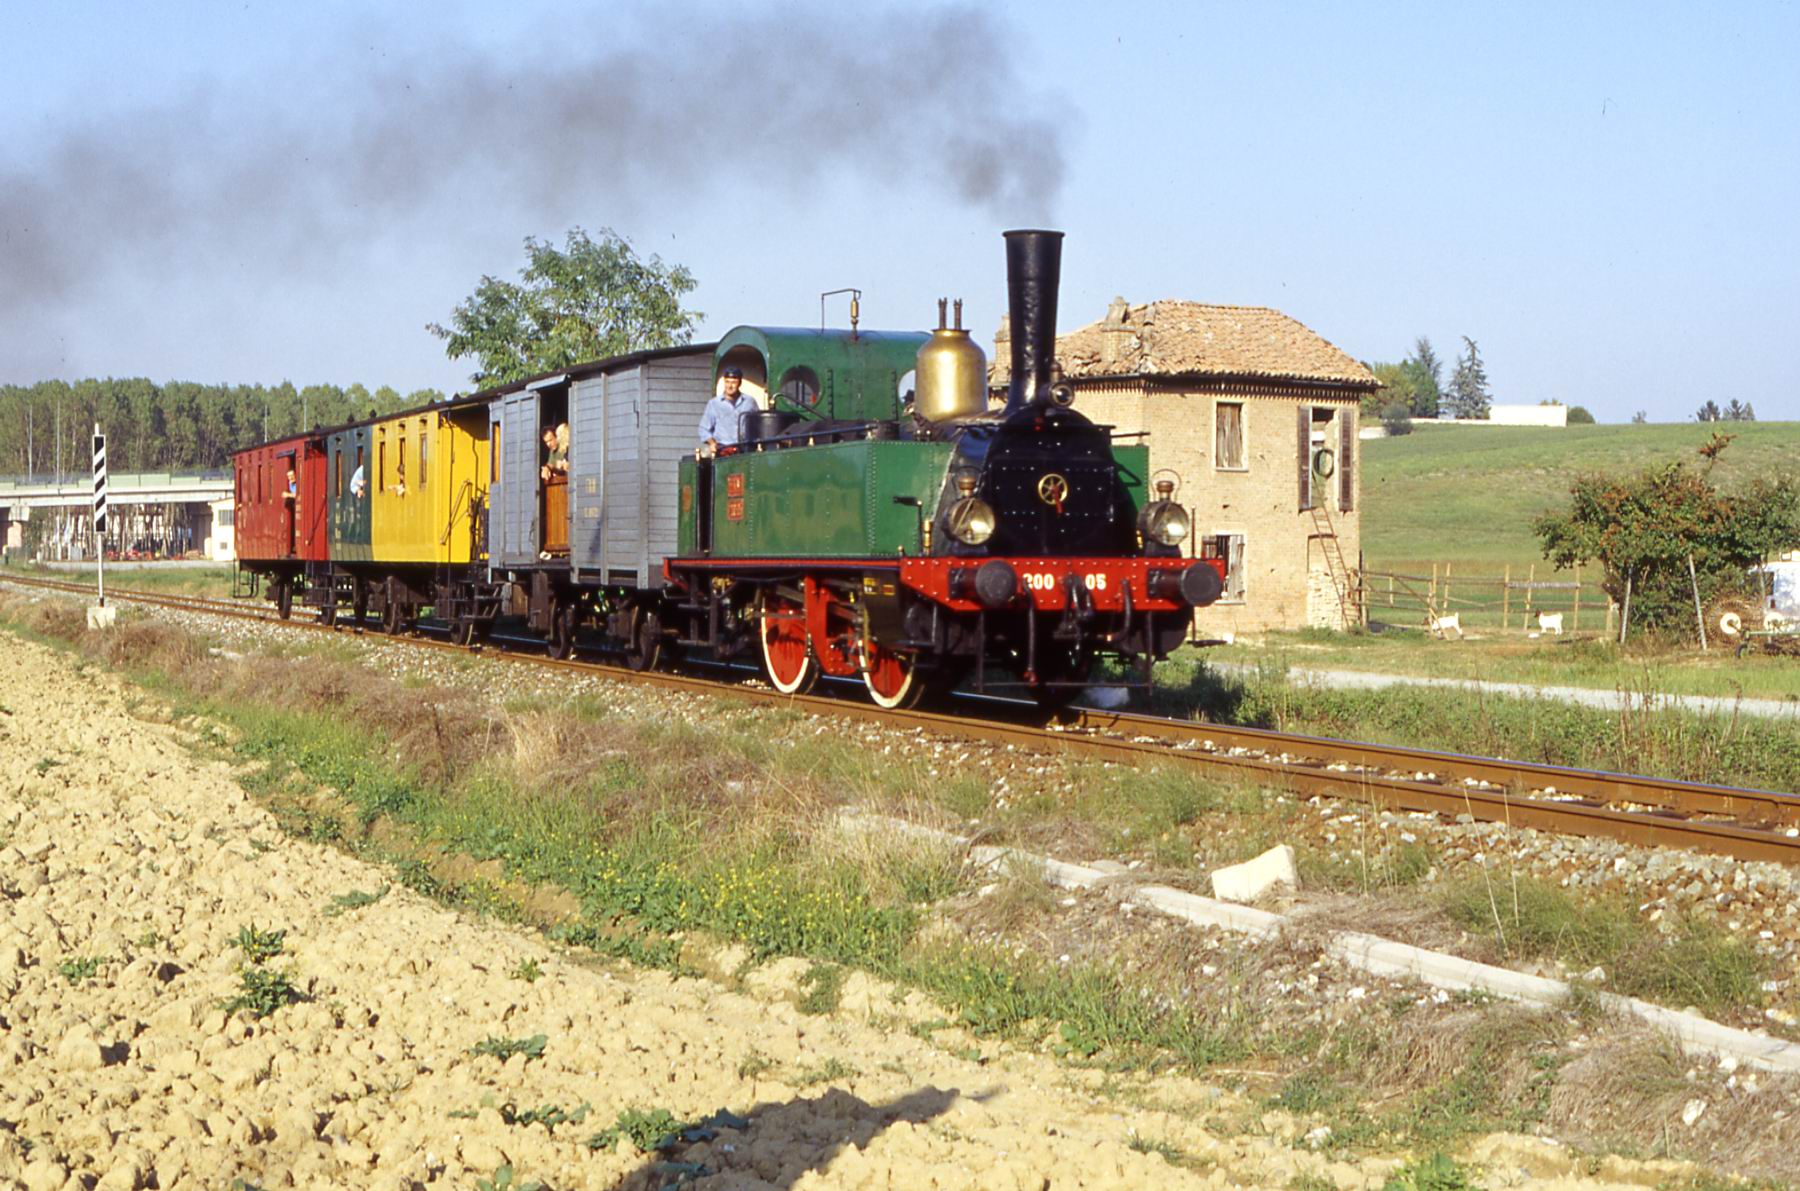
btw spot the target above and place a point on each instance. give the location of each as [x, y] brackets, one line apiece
[1650, 811]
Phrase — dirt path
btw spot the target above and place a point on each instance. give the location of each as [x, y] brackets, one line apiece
[119, 849]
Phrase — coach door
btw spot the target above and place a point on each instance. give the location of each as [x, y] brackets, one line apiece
[512, 498]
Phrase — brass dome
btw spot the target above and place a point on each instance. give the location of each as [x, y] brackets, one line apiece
[951, 373]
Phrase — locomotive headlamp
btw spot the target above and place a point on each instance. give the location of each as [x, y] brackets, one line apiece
[1164, 522]
[971, 521]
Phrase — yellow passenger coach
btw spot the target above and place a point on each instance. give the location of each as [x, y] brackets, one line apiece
[429, 481]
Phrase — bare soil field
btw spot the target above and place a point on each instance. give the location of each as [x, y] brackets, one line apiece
[404, 1044]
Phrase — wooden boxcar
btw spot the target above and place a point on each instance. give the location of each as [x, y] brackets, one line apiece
[278, 532]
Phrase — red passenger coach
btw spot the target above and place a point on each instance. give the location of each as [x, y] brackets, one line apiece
[278, 536]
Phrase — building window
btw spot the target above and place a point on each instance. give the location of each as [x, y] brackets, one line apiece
[1234, 568]
[1228, 436]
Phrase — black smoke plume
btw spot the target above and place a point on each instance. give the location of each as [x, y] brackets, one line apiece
[307, 170]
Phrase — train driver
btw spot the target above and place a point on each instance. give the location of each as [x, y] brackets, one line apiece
[719, 424]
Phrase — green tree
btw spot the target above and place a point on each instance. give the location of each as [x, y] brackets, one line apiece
[1710, 412]
[1579, 416]
[1428, 379]
[1396, 418]
[1641, 418]
[590, 299]
[1644, 529]
[1399, 386]
[1468, 395]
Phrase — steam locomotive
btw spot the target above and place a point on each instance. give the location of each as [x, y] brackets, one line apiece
[877, 521]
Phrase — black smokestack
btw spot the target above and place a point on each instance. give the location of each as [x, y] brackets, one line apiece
[1033, 275]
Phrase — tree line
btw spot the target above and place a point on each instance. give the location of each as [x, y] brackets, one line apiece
[176, 426]
[1415, 387]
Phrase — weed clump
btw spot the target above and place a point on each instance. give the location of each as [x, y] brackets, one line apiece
[1439, 1172]
[261, 991]
[259, 946]
[505, 1048]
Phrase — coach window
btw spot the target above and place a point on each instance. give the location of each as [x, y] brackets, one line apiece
[338, 461]
[494, 450]
[400, 468]
[1228, 436]
[1234, 569]
[424, 450]
[381, 464]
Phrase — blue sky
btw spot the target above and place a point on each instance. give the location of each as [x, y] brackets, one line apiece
[1601, 195]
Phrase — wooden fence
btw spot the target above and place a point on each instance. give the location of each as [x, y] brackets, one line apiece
[1509, 601]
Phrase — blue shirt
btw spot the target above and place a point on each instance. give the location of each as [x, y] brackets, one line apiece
[720, 421]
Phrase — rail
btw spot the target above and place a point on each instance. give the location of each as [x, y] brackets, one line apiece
[1634, 808]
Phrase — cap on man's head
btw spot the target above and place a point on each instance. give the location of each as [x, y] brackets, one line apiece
[733, 371]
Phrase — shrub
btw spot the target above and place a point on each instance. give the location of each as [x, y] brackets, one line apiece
[1396, 418]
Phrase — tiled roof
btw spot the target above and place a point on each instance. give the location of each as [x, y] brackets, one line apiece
[1173, 338]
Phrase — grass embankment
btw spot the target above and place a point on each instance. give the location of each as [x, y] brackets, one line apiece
[1642, 668]
[657, 830]
[213, 581]
[1759, 752]
[1469, 495]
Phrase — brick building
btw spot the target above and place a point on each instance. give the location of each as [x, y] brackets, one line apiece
[1256, 417]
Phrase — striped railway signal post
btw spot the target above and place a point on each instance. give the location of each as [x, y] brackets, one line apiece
[100, 508]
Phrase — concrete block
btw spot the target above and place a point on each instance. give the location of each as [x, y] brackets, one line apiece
[1250, 880]
[102, 618]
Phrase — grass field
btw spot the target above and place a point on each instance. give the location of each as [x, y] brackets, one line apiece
[1561, 661]
[1469, 495]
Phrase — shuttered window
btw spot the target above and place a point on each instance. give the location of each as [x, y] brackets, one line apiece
[1234, 568]
[1228, 436]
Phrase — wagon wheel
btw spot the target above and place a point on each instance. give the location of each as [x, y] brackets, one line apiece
[466, 631]
[891, 678]
[1728, 618]
[646, 639]
[284, 598]
[328, 614]
[359, 603]
[561, 642]
[781, 627]
[393, 617]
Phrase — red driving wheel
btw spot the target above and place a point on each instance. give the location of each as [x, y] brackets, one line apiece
[781, 624]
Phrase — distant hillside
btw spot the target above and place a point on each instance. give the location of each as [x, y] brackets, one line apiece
[1462, 494]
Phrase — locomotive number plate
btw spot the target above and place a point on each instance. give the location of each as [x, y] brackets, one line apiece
[1045, 581]
[734, 509]
[734, 484]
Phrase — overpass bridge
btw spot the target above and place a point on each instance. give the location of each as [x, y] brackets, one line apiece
[149, 514]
